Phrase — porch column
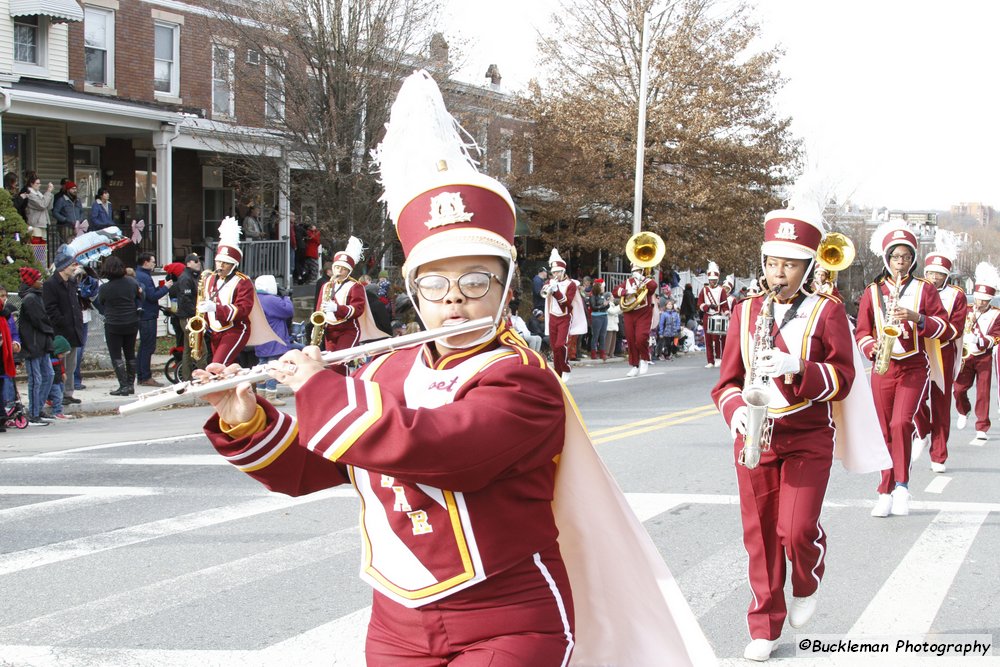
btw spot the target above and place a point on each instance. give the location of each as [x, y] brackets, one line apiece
[162, 142]
[284, 228]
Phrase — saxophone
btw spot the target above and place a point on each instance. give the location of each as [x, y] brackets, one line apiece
[197, 324]
[755, 390]
[970, 323]
[318, 317]
[890, 332]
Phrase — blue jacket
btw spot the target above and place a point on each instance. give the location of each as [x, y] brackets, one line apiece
[100, 217]
[278, 310]
[151, 294]
[670, 323]
[67, 210]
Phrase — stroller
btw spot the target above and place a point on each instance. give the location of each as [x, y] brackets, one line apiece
[14, 414]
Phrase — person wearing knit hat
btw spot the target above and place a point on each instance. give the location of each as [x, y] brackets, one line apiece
[344, 304]
[67, 210]
[230, 302]
[472, 539]
[912, 305]
[982, 333]
[36, 332]
[565, 314]
[61, 293]
[712, 303]
[934, 418]
[806, 373]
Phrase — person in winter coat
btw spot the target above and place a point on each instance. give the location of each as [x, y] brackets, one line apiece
[100, 213]
[67, 210]
[117, 302]
[36, 341]
[689, 307]
[10, 344]
[37, 208]
[278, 310]
[61, 294]
[667, 331]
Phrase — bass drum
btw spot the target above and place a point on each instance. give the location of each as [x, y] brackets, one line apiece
[718, 325]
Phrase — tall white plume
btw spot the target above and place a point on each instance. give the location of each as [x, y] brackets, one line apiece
[354, 248]
[986, 274]
[946, 243]
[421, 140]
[229, 232]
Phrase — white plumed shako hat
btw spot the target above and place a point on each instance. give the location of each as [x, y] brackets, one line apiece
[349, 256]
[987, 280]
[556, 262]
[713, 270]
[229, 242]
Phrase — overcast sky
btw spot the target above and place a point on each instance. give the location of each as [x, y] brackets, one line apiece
[896, 101]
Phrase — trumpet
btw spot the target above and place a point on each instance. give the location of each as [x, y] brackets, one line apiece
[970, 323]
[169, 395]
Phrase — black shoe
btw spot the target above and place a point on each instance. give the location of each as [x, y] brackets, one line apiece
[120, 391]
[78, 387]
[37, 421]
[47, 418]
[72, 400]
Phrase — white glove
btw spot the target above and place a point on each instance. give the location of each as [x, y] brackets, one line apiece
[775, 363]
[206, 307]
[738, 424]
[329, 307]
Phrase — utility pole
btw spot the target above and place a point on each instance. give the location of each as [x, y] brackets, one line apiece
[640, 146]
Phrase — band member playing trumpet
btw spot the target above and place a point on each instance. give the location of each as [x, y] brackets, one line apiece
[230, 301]
[454, 448]
[934, 418]
[565, 315]
[896, 314]
[637, 294]
[342, 300]
[979, 344]
[711, 303]
[797, 346]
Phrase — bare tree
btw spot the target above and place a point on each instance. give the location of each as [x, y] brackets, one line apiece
[327, 72]
[717, 157]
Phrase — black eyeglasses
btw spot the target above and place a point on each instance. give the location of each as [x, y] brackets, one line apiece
[472, 285]
[906, 257]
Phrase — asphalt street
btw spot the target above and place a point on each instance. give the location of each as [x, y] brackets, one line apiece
[128, 541]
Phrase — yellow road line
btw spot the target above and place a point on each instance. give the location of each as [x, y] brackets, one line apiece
[654, 420]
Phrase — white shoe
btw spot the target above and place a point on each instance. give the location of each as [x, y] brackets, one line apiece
[709, 365]
[565, 378]
[961, 421]
[918, 447]
[643, 367]
[801, 610]
[882, 505]
[900, 501]
[937, 467]
[632, 372]
[981, 435]
[759, 649]
[718, 362]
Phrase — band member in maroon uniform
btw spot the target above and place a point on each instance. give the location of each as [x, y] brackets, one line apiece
[469, 543]
[712, 301]
[795, 346]
[980, 343]
[637, 294]
[342, 299]
[564, 313]
[945, 356]
[230, 304]
[913, 306]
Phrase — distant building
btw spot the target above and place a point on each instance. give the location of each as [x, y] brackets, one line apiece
[984, 215]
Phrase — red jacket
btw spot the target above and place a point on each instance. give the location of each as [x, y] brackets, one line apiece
[312, 243]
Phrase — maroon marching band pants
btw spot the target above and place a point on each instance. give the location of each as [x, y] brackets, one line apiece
[637, 323]
[227, 345]
[898, 395]
[559, 342]
[780, 504]
[978, 369]
[713, 342]
[341, 338]
[935, 417]
[522, 616]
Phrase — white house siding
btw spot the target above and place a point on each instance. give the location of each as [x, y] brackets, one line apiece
[58, 52]
[51, 146]
[6, 40]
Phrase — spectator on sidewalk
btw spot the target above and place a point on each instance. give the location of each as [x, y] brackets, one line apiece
[185, 291]
[536, 327]
[100, 212]
[151, 295]
[537, 283]
[667, 331]
[517, 323]
[689, 307]
[36, 341]
[599, 302]
[10, 344]
[60, 346]
[611, 338]
[37, 209]
[87, 285]
[116, 300]
[61, 295]
[310, 267]
[278, 310]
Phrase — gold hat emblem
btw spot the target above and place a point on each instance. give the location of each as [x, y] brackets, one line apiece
[447, 208]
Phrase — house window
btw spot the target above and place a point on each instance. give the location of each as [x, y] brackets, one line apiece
[166, 59]
[274, 90]
[506, 151]
[99, 46]
[28, 36]
[223, 60]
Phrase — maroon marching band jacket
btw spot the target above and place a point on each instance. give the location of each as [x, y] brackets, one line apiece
[920, 296]
[650, 285]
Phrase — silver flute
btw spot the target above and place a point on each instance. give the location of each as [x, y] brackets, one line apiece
[169, 395]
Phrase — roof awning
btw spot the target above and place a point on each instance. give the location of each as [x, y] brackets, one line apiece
[58, 11]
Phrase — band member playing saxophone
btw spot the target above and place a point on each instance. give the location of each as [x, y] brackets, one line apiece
[978, 357]
[934, 416]
[230, 301]
[800, 352]
[896, 315]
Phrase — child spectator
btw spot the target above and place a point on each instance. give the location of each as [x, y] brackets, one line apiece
[60, 346]
[667, 331]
